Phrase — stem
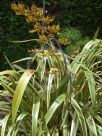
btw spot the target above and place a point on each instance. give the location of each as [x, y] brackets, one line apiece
[43, 11]
[44, 7]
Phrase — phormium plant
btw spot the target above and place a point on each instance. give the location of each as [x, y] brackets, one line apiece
[58, 96]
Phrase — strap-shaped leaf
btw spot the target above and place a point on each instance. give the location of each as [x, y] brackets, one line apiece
[99, 130]
[7, 72]
[4, 124]
[18, 123]
[74, 125]
[80, 116]
[49, 86]
[10, 131]
[21, 86]
[9, 89]
[91, 126]
[91, 85]
[54, 106]
[35, 112]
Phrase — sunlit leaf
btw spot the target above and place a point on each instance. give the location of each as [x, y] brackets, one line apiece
[53, 107]
[4, 125]
[35, 112]
[19, 92]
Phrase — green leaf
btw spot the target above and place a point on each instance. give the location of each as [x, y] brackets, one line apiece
[96, 33]
[60, 99]
[21, 86]
[35, 112]
[30, 40]
[63, 82]
[49, 86]
[10, 131]
[80, 116]
[99, 118]
[7, 72]
[91, 85]
[91, 126]
[9, 62]
[74, 125]
[4, 124]
[56, 132]
[99, 130]
[65, 128]
[9, 89]
[17, 123]
[23, 59]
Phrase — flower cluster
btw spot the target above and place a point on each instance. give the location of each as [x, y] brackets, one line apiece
[63, 41]
[36, 16]
[54, 28]
[48, 20]
[32, 14]
[43, 38]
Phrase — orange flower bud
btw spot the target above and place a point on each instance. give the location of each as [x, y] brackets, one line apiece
[14, 7]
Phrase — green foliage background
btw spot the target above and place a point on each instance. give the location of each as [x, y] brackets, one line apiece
[83, 15]
[86, 15]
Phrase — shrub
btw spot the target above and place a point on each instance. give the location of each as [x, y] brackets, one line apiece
[77, 41]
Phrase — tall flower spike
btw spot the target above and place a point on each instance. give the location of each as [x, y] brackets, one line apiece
[36, 16]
